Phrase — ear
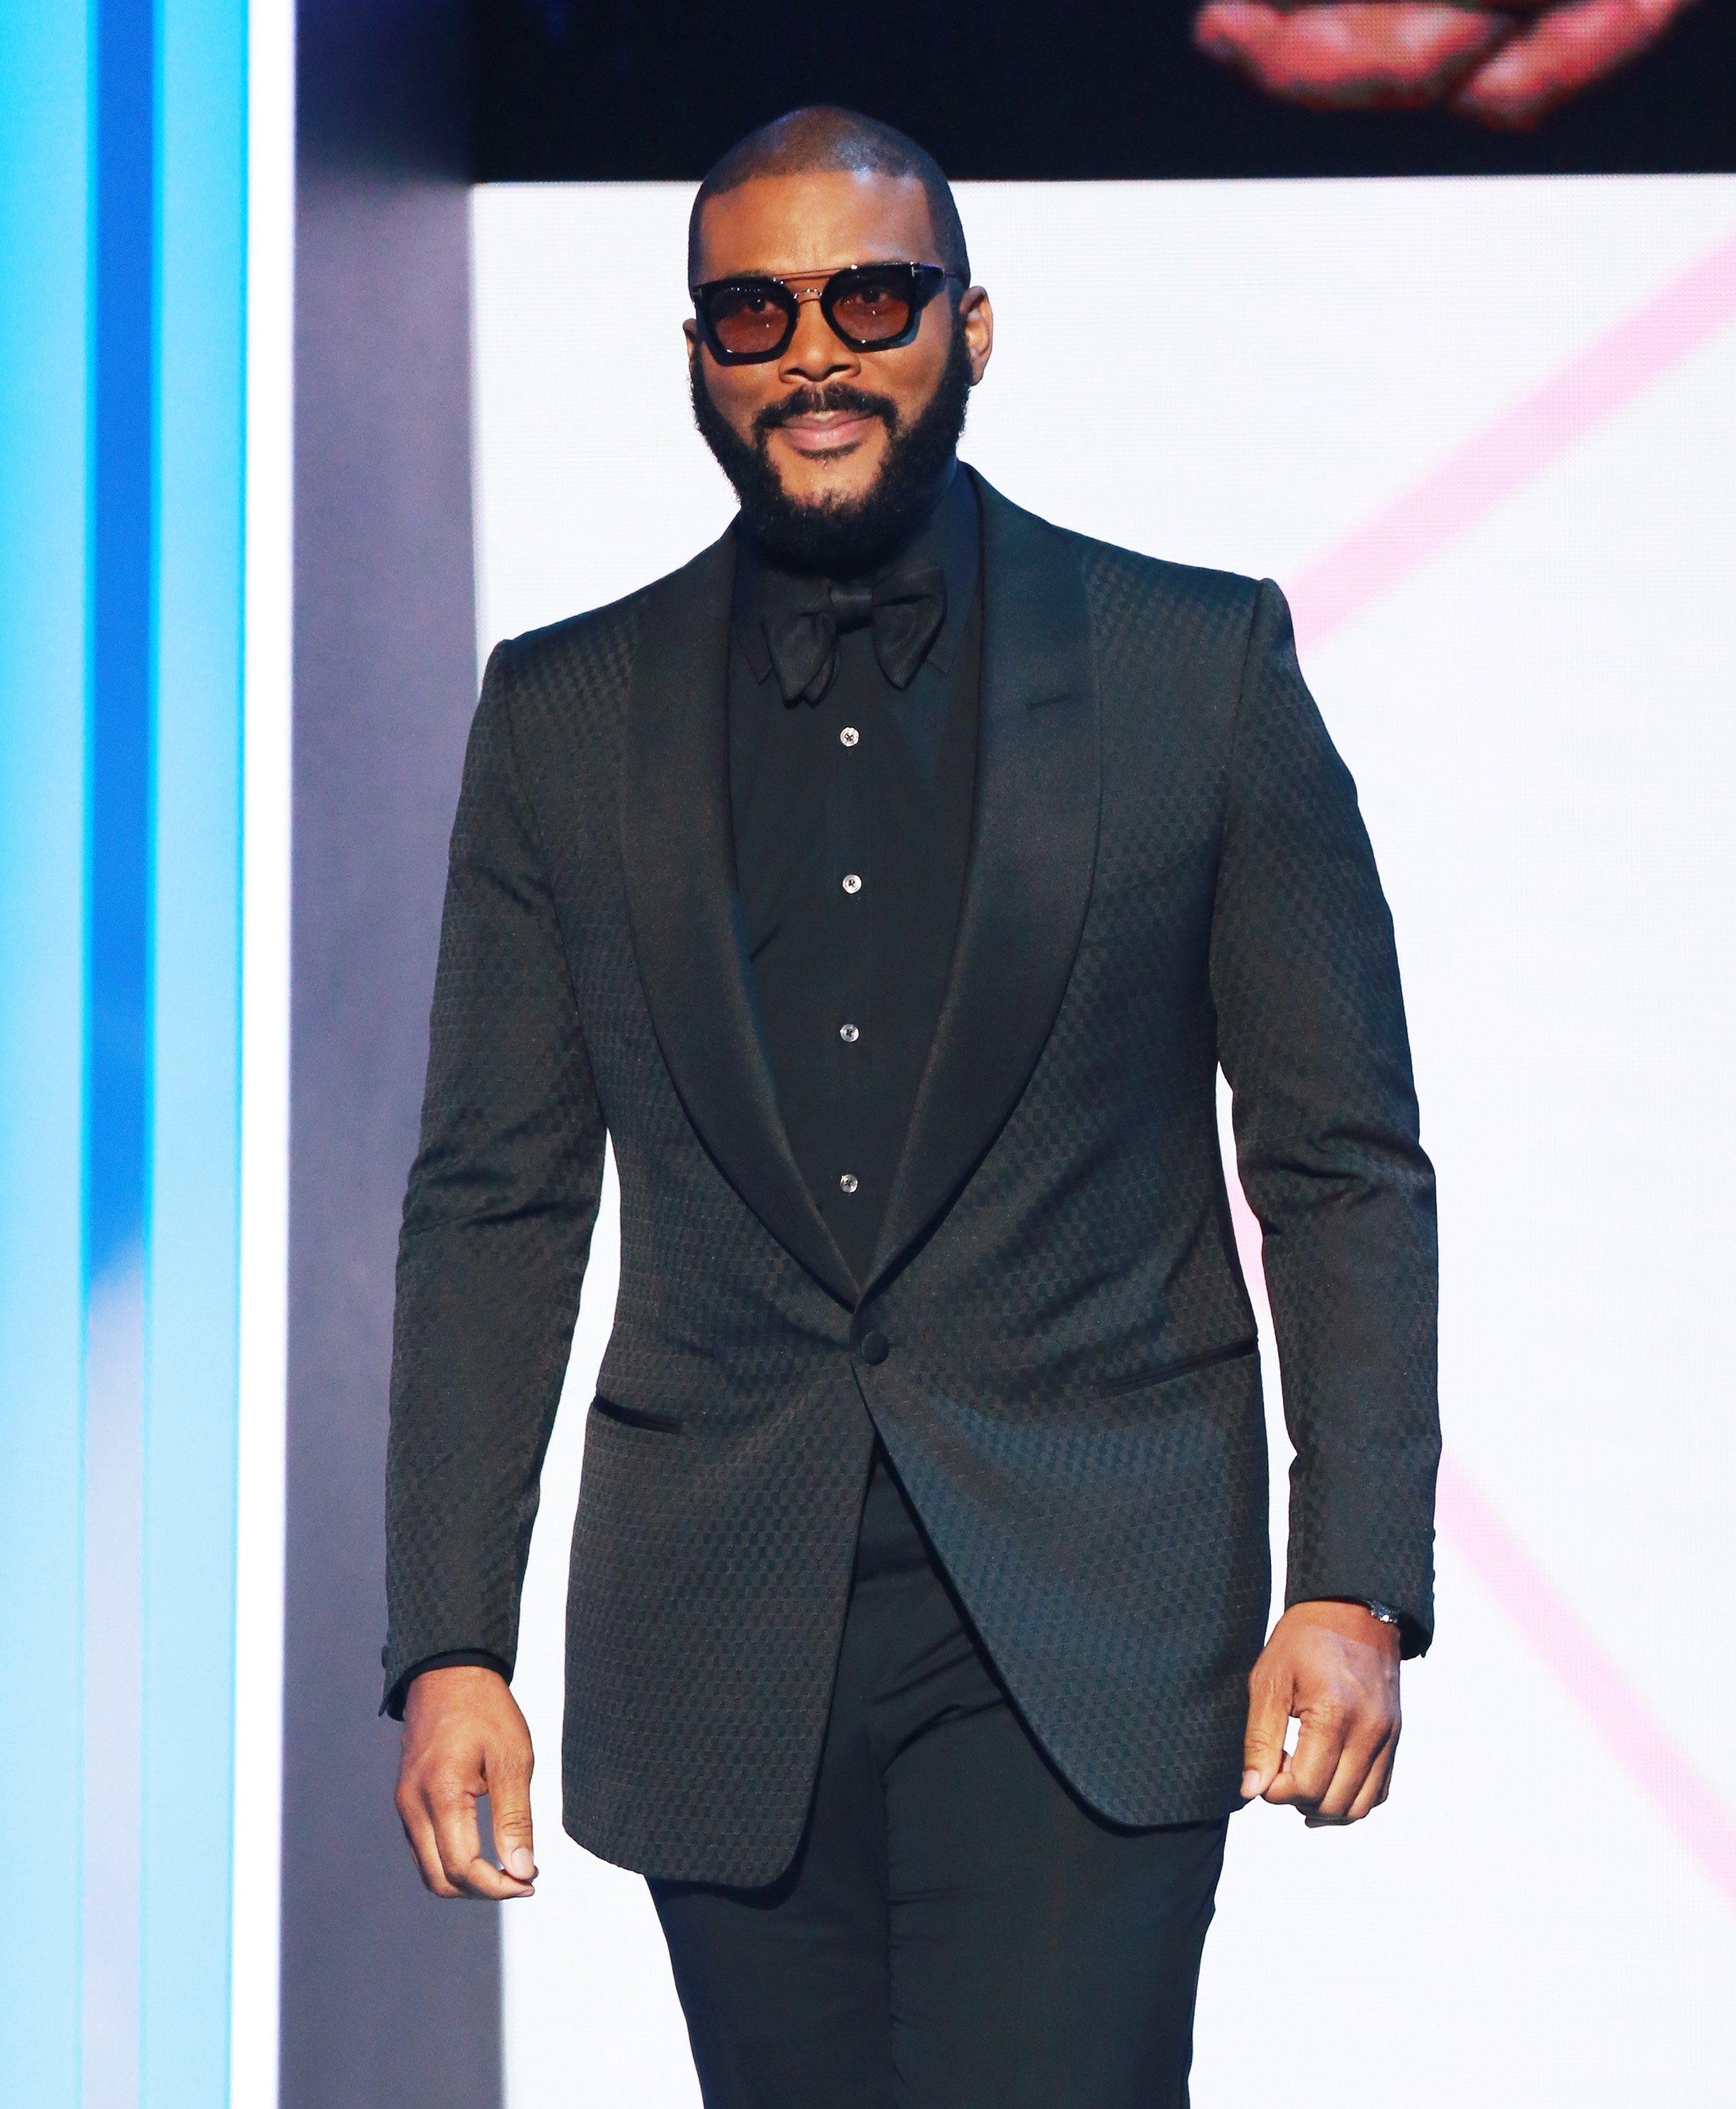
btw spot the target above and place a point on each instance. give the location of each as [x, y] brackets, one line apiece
[977, 319]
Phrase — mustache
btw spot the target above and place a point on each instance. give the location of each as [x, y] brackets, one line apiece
[842, 540]
[834, 396]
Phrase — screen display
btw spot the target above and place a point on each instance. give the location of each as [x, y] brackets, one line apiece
[1066, 90]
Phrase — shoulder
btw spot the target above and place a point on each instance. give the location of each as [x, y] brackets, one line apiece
[1136, 600]
[588, 650]
[593, 651]
[1117, 577]
[1148, 614]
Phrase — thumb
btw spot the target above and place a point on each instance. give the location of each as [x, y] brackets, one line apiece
[509, 1810]
[1263, 1746]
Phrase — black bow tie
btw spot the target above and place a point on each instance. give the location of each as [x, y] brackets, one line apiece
[803, 619]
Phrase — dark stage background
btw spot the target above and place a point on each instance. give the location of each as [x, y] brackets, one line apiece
[1052, 90]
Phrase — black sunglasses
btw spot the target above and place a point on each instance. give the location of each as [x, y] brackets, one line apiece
[871, 307]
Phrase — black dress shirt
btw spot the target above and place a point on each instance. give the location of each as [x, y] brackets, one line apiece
[853, 829]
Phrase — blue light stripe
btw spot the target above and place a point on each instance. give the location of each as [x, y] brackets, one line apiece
[121, 496]
[45, 209]
[117, 1023]
[122, 213]
[192, 1235]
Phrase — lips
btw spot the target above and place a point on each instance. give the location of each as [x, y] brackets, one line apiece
[824, 432]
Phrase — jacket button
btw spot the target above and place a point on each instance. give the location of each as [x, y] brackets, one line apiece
[873, 1347]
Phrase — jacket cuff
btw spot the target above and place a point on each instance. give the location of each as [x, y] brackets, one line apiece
[392, 1704]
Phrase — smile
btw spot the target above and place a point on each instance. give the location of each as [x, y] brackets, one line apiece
[827, 432]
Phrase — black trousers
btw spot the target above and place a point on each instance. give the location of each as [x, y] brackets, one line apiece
[957, 1930]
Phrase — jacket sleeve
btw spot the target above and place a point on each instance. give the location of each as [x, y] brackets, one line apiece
[497, 1224]
[1312, 1037]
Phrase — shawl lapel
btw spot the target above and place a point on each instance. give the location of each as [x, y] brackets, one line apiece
[684, 907]
[1033, 847]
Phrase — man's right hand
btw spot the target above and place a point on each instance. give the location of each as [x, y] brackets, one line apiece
[464, 1737]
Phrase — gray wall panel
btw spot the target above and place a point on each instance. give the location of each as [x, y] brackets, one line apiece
[388, 1997]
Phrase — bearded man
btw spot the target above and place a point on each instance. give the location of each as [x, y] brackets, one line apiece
[889, 884]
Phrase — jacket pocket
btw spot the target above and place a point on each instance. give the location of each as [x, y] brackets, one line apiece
[1164, 1373]
[632, 1416]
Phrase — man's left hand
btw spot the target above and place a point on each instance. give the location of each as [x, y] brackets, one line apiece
[1333, 1668]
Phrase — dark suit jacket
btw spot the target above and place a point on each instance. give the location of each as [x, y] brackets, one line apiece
[1167, 873]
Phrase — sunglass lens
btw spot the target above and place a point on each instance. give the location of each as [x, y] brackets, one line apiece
[747, 320]
[873, 310]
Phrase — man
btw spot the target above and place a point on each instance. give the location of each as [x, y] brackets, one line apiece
[889, 884]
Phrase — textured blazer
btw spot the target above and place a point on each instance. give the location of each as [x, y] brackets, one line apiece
[1168, 874]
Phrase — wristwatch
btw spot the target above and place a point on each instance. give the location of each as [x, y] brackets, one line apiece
[1384, 1612]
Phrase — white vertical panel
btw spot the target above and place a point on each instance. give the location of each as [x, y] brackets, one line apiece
[1540, 721]
[264, 1142]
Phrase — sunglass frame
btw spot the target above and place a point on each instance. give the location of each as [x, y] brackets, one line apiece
[925, 281]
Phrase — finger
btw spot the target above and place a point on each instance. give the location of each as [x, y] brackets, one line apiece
[1263, 1744]
[1378, 1783]
[1367, 54]
[1362, 1780]
[1314, 1760]
[509, 1807]
[1566, 52]
[418, 1830]
[1356, 1761]
[484, 1883]
[1283, 1789]
[458, 1840]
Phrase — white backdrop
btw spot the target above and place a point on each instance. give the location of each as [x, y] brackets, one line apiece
[1529, 388]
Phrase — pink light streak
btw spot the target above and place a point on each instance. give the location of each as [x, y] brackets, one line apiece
[1589, 1676]
[1509, 452]
[1554, 1630]
[1515, 446]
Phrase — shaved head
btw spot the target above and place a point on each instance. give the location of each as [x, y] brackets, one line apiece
[836, 447]
[824, 139]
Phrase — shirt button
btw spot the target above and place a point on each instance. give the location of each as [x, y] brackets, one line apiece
[849, 1035]
[849, 735]
[853, 882]
[848, 1180]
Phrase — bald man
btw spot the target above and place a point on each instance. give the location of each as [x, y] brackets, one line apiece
[890, 884]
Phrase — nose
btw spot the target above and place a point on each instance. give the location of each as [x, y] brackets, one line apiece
[814, 354]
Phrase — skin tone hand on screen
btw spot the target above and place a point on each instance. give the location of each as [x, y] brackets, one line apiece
[824, 417]
[1506, 66]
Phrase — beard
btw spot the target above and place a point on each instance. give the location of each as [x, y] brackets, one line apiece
[842, 538]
